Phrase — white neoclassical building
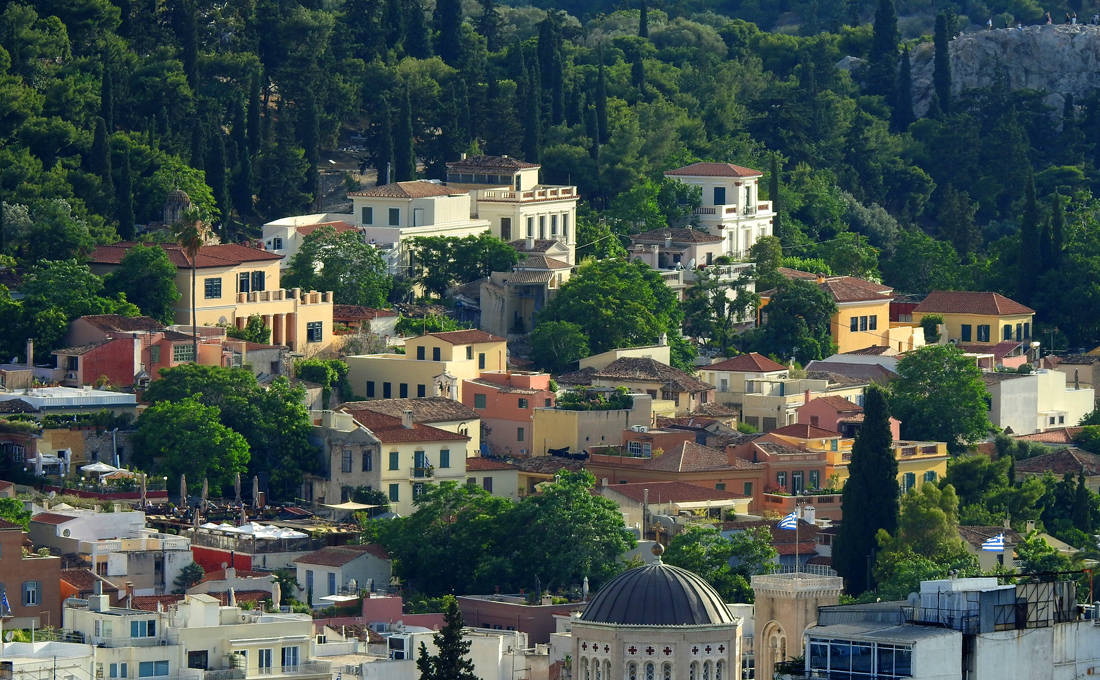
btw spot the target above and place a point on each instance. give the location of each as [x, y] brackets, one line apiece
[656, 622]
[731, 205]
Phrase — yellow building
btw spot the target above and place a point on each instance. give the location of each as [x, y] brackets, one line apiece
[862, 318]
[980, 318]
[918, 462]
[234, 282]
[433, 365]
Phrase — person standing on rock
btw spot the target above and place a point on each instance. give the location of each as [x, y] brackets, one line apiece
[1050, 19]
[989, 24]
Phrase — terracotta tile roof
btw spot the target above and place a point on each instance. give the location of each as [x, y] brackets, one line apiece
[522, 277]
[852, 372]
[804, 431]
[789, 273]
[970, 302]
[578, 378]
[340, 226]
[5, 524]
[480, 163]
[413, 189]
[783, 540]
[546, 465]
[51, 518]
[148, 603]
[644, 369]
[692, 457]
[774, 447]
[359, 313]
[670, 492]
[851, 289]
[999, 351]
[467, 337]
[1061, 462]
[839, 404]
[487, 465]
[686, 422]
[389, 430]
[976, 535]
[122, 324]
[241, 596]
[542, 262]
[678, 235]
[425, 409]
[83, 580]
[80, 350]
[714, 409]
[4, 484]
[1077, 359]
[339, 555]
[714, 170]
[1061, 435]
[541, 245]
[746, 363]
[16, 406]
[221, 255]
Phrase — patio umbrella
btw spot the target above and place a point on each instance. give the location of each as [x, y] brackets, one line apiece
[256, 492]
[237, 488]
[276, 594]
[183, 491]
[38, 465]
[244, 516]
[205, 491]
[98, 468]
[143, 489]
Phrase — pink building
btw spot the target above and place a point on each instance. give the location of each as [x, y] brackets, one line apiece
[839, 415]
[506, 402]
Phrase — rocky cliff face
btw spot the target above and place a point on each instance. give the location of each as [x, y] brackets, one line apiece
[1058, 59]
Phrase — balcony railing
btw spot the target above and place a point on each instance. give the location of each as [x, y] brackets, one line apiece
[307, 668]
[224, 674]
[538, 194]
[421, 472]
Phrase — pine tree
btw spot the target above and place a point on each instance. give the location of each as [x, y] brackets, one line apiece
[773, 194]
[124, 199]
[902, 115]
[448, 28]
[418, 41]
[383, 153]
[107, 95]
[870, 495]
[1029, 243]
[882, 64]
[941, 69]
[489, 25]
[451, 660]
[601, 100]
[404, 166]
[643, 20]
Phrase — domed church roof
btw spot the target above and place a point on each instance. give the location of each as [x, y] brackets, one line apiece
[658, 595]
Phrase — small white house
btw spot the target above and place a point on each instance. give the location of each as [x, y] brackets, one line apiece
[338, 573]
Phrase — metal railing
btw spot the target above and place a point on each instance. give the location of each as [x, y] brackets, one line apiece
[306, 668]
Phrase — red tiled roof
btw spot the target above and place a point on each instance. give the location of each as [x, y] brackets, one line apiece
[976, 535]
[789, 273]
[51, 518]
[413, 189]
[999, 351]
[83, 580]
[841, 288]
[872, 350]
[359, 313]
[389, 429]
[714, 170]
[487, 465]
[221, 255]
[1061, 435]
[970, 302]
[746, 363]
[424, 409]
[340, 226]
[4, 484]
[542, 262]
[122, 324]
[467, 337]
[5, 524]
[491, 163]
[644, 369]
[541, 245]
[839, 404]
[1061, 462]
[804, 431]
[149, 603]
[670, 492]
[692, 457]
[339, 555]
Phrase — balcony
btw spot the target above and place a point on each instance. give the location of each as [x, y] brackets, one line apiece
[307, 668]
[549, 193]
[421, 472]
[224, 674]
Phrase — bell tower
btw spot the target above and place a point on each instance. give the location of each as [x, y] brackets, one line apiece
[786, 605]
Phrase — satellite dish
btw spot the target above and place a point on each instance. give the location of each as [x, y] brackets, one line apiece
[9, 636]
[691, 263]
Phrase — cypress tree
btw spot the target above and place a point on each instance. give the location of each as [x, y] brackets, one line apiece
[601, 100]
[1057, 230]
[637, 74]
[451, 660]
[489, 25]
[242, 178]
[1082, 506]
[394, 20]
[198, 146]
[124, 199]
[902, 115]
[532, 118]
[870, 495]
[100, 157]
[188, 32]
[941, 69]
[216, 176]
[643, 20]
[311, 142]
[254, 133]
[592, 129]
[107, 95]
[773, 194]
[448, 27]
[1029, 243]
[883, 59]
[418, 42]
[404, 167]
[3, 230]
[383, 154]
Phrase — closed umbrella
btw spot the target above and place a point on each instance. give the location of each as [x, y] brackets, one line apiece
[237, 488]
[205, 491]
[183, 491]
[244, 517]
[256, 492]
[143, 489]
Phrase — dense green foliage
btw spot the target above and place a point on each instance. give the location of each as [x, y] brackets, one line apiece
[147, 278]
[341, 263]
[11, 510]
[254, 331]
[726, 563]
[441, 262]
[939, 396]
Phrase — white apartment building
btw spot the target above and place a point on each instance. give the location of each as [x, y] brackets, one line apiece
[285, 236]
[1035, 402]
[731, 206]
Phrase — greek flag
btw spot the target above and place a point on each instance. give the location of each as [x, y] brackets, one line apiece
[4, 606]
[789, 522]
[995, 544]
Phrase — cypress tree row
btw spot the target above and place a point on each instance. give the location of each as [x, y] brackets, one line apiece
[1057, 230]
[418, 41]
[216, 176]
[404, 166]
[870, 495]
[254, 133]
[242, 177]
[448, 27]
[489, 25]
[107, 95]
[601, 101]
[643, 20]
[773, 194]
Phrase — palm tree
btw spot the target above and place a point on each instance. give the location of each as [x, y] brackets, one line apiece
[191, 233]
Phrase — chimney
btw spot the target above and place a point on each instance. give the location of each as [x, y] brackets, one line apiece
[820, 277]
[407, 419]
[806, 397]
[529, 245]
[1030, 526]
[129, 594]
[30, 353]
[663, 340]
[328, 419]
[668, 239]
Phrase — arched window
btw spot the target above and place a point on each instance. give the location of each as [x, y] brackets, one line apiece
[607, 669]
[706, 670]
[693, 671]
[632, 671]
[650, 671]
[666, 671]
[597, 669]
[586, 672]
[719, 667]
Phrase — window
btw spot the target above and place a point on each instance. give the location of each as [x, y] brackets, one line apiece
[1027, 330]
[395, 458]
[120, 670]
[395, 493]
[930, 476]
[862, 323]
[565, 226]
[212, 287]
[313, 331]
[523, 403]
[650, 671]
[242, 282]
[182, 353]
[418, 490]
[421, 391]
[965, 332]
[748, 488]
[506, 229]
[345, 460]
[853, 324]
[547, 404]
[1061, 420]
[719, 195]
[445, 458]
[720, 486]
[420, 352]
[1019, 331]
[290, 655]
[368, 215]
[553, 225]
[796, 481]
[403, 390]
[542, 226]
[368, 461]
[908, 481]
[146, 628]
[154, 354]
[264, 658]
[815, 479]
[152, 669]
[387, 390]
[258, 281]
[481, 360]
[872, 322]
[634, 448]
[435, 354]
[487, 484]
[983, 332]
[277, 243]
[332, 583]
[198, 659]
[530, 227]
[1007, 332]
[479, 401]
[469, 352]
[519, 434]
[370, 389]
[394, 217]
[781, 479]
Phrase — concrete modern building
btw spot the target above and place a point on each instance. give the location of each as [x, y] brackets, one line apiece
[336, 573]
[673, 391]
[731, 205]
[566, 430]
[1038, 401]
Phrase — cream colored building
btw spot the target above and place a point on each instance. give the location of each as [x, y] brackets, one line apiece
[731, 377]
[786, 605]
[235, 282]
[285, 236]
[510, 301]
[769, 403]
[556, 428]
[731, 205]
[507, 192]
[433, 365]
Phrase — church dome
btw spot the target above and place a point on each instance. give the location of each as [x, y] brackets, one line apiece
[658, 595]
